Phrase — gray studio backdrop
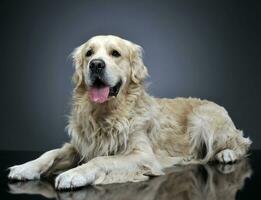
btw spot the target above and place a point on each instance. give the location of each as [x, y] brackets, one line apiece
[206, 49]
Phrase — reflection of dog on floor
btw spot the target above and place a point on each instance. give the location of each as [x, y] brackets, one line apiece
[120, 133]
[191, 182]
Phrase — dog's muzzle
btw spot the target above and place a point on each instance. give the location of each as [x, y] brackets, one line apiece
[100, 90]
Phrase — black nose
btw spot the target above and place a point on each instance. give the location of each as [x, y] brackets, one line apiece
[97, 65]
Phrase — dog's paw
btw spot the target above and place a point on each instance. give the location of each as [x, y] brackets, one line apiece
[226, 156]
[74, 178]
[24, 172]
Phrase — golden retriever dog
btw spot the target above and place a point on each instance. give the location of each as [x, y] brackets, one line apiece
[119, 133]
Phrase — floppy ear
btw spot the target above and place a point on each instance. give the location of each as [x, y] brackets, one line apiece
[78, 60]
[139, 71]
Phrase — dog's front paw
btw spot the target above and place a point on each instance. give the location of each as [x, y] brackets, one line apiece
[27, 171]
[74, 178]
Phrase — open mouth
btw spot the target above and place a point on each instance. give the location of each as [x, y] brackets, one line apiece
[100, 91]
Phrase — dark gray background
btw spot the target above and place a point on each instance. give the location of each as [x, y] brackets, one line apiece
[206, 49]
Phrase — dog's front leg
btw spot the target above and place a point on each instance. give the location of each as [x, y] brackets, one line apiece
[51, 161]
[110, 169]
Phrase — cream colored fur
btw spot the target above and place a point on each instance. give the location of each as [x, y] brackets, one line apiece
[134, 135]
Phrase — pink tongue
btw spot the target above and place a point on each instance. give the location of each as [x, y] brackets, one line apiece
[99, 95]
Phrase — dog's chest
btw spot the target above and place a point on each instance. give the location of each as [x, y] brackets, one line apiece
[101, 138]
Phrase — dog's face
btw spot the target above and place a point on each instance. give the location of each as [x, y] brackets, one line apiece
[106, 65]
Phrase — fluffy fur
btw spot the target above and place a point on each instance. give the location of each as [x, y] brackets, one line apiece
[132, 135]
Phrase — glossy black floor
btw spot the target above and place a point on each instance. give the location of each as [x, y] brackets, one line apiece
[239, 181]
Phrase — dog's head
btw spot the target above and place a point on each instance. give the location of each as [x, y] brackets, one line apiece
[106, 65]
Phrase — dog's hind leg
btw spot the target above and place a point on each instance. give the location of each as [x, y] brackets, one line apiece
[213, 135]
[226, 156]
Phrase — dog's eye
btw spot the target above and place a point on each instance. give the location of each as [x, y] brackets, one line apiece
[89, 53]
[115, 53]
